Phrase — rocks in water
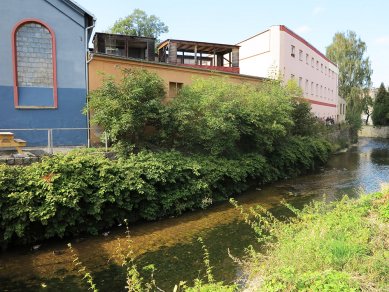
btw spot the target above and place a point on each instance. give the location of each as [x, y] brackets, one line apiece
[106, 233]
[36, 247]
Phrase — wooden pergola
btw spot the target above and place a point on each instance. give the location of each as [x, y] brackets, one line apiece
[179, 51]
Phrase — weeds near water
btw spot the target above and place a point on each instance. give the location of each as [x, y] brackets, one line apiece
[82, 270]
[338, 246]
[134, 281]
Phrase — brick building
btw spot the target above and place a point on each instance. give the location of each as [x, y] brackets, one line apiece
[43, 77]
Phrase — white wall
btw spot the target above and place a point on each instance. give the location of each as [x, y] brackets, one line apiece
[271, 50]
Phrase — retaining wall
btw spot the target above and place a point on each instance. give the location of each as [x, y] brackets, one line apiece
[374, 132]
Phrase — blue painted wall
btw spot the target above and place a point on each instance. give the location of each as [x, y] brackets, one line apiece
[68, 25]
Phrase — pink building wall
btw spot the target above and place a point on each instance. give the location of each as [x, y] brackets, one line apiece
[280, 53]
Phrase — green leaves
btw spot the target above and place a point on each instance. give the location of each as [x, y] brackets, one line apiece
[138, 23]
[348, 52]
[83, 192]
[381, 107]
[219, 117]
[124, 109]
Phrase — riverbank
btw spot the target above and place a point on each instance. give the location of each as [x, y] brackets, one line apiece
[171, 244]
[341, 246]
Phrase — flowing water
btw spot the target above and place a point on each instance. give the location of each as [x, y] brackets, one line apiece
[171, 244]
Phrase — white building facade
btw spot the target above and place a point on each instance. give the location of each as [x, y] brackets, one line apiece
[279, 51]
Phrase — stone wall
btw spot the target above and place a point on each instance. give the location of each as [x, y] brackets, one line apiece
[34, 56]
[374, 132]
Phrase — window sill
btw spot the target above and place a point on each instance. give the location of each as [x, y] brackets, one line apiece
[35, 107]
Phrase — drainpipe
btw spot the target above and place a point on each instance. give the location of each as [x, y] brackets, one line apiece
[87, 77]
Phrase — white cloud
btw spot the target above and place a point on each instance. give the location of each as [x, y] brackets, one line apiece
[303, 29]
[317, 10]
[384, 40]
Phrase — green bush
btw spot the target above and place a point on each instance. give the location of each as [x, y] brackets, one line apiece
[84, 192]
[125, 109]
[223, 118]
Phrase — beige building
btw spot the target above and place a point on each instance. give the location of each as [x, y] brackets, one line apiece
[278, 52]
[174, 76]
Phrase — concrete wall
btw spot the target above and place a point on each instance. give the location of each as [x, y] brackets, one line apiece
[68, 26]
[374, 132]
[259, 55]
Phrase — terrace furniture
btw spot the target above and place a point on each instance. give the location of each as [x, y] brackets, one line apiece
[7, 140]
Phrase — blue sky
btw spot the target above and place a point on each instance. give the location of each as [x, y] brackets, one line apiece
[232, 21]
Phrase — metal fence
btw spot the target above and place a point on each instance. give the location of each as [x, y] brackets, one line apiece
[52, 138]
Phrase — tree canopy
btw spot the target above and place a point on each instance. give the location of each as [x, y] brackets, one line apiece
[138, 23]
[348, 52]
[381, 107]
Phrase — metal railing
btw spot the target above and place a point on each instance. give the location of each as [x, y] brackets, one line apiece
[51, 139]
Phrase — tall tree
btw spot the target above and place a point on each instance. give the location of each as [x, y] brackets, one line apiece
[138, 23]
[367, 104]
[348, 52]
[381, 107]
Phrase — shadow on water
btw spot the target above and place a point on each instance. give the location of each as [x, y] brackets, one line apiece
[171, 244]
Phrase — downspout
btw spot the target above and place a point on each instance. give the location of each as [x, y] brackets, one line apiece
[87, 77]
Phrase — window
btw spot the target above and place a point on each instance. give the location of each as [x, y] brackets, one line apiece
[317, 89]
[306, 87]
[292, 76]
[321, 90]
[300, 55]
[34, 58]
[292, 51]
[325, 70]
[321, 68]
[301, 82]
[307, 59]
[174, 88]
[312, 62]
[317, 65]
[325, 92]
[312, 85]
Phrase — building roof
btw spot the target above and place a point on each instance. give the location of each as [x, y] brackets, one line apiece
[301, 39]
[206, 47]
[161, 64]
[296, 36]
[81, 9]
[113, 35]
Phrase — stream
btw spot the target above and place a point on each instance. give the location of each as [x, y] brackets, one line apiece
[171, 244]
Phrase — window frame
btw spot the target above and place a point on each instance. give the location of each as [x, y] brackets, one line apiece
[15, 64]
[293, 51]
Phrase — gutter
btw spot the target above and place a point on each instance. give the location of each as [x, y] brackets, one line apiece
[87, 77]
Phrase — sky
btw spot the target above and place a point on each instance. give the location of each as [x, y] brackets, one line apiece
[231, 21]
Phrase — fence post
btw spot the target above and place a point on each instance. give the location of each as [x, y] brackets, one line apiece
[50, 141]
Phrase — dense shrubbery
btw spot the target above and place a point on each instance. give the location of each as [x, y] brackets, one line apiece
[125, 109]
[82, 192]
[234, 133]
[223, 118]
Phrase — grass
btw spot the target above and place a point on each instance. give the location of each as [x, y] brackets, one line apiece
[340, 246]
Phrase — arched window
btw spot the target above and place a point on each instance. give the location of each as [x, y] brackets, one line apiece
[34, 58]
